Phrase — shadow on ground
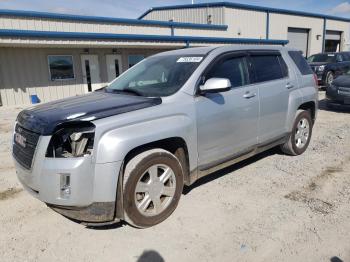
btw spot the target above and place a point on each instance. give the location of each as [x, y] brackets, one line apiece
[150, 256]
[322, 105]
[336, 259]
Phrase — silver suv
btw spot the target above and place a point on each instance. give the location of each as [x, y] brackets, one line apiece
[125, 152]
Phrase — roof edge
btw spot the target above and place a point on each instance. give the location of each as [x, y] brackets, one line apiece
[161, 38]
[246, 7]
[35, 14]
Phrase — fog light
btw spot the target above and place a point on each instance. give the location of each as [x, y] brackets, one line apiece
[65, 186]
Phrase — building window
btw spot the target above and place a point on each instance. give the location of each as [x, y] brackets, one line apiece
[134, 59]
[61, 67]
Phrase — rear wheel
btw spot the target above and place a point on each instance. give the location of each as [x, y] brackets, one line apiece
[300, 137]
[153, 183]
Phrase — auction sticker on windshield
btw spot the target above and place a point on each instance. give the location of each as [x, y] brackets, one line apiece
[195, 59]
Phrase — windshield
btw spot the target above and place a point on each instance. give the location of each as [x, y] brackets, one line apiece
[322, 58]
[156, 76]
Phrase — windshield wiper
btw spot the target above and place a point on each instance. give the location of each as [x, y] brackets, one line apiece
[101, 89]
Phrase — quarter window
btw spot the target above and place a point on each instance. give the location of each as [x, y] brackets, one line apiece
[300, 62]
[61, 67]
[234, 69]
[269, 67]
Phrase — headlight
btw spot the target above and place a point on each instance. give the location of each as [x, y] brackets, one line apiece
[321, 68]
[72, 141]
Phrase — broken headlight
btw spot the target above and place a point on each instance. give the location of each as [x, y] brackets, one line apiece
[72, 141]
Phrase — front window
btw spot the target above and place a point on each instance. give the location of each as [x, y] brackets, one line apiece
[156, 76]
[322, 58]
[61, 67]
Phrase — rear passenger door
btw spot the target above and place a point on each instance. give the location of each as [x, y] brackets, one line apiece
[274, 83]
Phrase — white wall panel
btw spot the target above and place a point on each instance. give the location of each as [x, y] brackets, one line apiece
[190, 15]
[245, 23]
[279, 24]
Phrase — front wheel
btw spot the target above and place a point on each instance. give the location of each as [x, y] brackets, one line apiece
[300, 137]
[329, 78]
[153, 183]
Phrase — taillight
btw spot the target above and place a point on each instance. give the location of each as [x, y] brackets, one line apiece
[316, 81]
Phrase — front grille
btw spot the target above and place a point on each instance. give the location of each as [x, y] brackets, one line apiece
[344, 91]
[24, 155]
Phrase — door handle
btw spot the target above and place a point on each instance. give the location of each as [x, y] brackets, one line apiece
[249, 95]
[289, 86]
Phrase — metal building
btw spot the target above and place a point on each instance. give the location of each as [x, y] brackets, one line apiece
[52, 56]
[309, 32]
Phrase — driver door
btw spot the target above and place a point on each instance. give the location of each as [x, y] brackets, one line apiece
[227, 122]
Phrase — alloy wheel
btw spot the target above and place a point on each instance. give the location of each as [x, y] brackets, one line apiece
[302, 133]
[155, 190]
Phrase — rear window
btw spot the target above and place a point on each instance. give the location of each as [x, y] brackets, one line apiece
[269, 67]
[300, 62]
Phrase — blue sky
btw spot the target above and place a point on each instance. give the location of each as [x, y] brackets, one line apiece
[134, 8]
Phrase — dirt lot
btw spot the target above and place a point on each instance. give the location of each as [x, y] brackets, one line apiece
[269, 208]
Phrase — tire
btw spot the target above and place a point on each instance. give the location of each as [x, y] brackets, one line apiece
[295, 145]
[152, 186]
[329, 105]
[329, 78]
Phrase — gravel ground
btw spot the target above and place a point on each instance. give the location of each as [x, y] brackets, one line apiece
[269, 208]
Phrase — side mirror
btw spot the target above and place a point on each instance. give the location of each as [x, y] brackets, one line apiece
[215, 85]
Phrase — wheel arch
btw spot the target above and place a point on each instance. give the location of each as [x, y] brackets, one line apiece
[175, 145]
[311, 107]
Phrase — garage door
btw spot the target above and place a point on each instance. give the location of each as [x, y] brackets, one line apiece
[298, 38]
[332, 43]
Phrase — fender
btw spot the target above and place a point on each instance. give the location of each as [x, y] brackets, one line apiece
[115, 144]
[296, 99]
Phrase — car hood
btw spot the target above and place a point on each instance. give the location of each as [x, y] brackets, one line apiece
[44, 119]
[343, 81]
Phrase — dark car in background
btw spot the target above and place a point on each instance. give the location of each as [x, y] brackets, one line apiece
[328, 66]
[338, 92]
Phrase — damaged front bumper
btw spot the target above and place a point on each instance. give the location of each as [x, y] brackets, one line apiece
[95, 214]
[78, 188]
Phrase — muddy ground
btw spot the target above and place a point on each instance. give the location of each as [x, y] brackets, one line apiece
[269, 208]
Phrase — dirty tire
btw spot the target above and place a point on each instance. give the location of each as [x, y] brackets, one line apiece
[136, 169]
[290, 147]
